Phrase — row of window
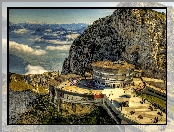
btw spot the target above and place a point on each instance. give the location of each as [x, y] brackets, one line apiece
[109, 74]
[112, 79]
[107, 77]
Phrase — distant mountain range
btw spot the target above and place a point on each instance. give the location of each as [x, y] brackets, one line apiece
[60, 27]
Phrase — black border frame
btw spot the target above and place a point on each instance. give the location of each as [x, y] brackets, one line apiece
[8, 8]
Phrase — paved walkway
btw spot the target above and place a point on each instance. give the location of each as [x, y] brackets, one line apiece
[118, 93]
[78, 89]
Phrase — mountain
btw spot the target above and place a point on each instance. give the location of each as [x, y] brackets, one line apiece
[28, 106]
[170, 33]
[137, 36]
[19, 102]
[170, 14]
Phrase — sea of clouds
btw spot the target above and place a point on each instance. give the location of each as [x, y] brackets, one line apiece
[34, 70]
[64, 47]
[21, 31]
[25, 49]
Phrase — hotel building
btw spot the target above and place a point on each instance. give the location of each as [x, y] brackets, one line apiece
[113, 74]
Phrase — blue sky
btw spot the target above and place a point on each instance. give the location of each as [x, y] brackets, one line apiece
[61, 16]
[58, 15]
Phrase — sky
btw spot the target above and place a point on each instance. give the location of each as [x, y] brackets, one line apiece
[61, 16]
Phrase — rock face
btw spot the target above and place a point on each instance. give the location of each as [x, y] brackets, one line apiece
[137, 36]
[19, 102]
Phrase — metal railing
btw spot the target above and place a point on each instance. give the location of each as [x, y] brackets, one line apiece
[108, 105]
[81, 101]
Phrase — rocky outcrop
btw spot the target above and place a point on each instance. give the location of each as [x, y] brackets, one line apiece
[26, 91]
[19, 102]
[137, 36]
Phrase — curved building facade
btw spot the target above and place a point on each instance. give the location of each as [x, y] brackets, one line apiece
[113, 74]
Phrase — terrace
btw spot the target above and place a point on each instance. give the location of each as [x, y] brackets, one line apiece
[122, 95]
[79, 88]
[143, 114]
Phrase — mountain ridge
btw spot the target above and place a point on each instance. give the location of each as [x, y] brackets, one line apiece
[134, 35]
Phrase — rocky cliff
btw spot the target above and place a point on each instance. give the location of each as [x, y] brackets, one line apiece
[19, 102]
[137, 36]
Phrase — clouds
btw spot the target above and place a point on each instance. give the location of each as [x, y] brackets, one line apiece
[72, 36]
[16, 48]
[37, 47]
[53, 41]
[64, 47]
[34, 70]
[20, 31]
[25, 49]
[58, 42]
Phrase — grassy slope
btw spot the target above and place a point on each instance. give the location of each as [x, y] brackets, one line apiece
[158, 101]
[18, 84]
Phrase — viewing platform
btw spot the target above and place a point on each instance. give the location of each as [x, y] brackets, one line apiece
[112, 100]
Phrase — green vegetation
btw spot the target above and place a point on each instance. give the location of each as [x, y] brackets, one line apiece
[161, 61]
[161, 85]
[45, 113]
[154, 99]
[18, 84]
[158, 15]
[142, 12]
[98, 116]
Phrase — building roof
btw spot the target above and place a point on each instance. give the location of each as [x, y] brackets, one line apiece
[113, 65]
